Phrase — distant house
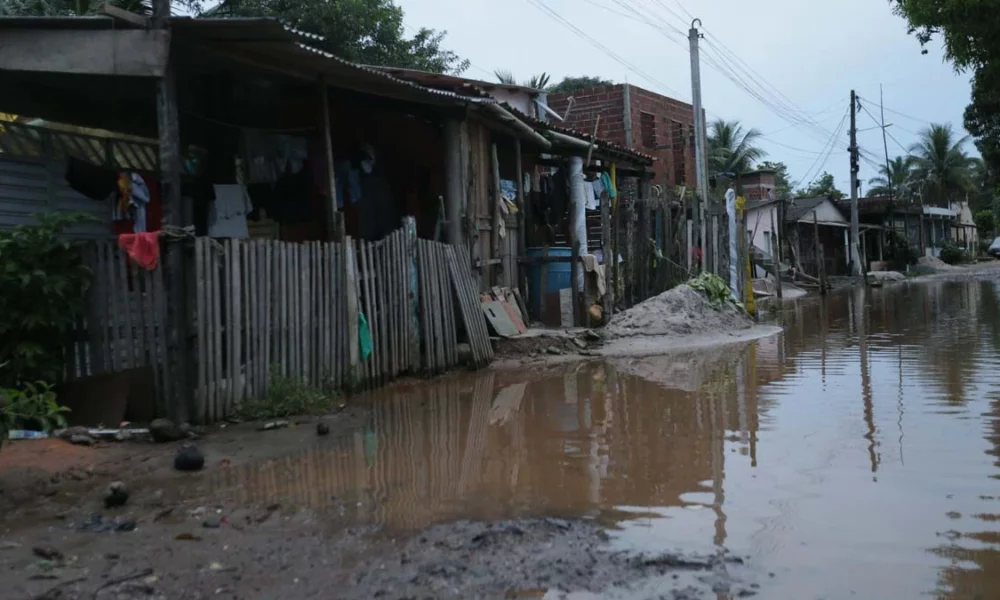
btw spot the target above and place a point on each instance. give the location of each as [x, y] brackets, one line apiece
[759, 184]
[803, 218]
[963, 231]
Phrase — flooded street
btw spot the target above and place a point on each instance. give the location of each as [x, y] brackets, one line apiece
[852, 455]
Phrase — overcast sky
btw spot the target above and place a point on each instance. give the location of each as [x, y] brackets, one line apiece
[812, 53]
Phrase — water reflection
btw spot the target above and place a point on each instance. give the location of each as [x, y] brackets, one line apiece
[854, 455]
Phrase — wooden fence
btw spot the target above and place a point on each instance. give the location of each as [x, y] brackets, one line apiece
[124, 325]
[260, 307]
[301, 310]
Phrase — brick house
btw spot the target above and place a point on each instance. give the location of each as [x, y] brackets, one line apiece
[638, 119]
[757, 184]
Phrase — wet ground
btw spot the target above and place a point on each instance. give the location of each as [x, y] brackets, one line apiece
[854, 455]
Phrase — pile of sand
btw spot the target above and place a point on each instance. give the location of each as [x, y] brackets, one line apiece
[679, 311]
[935, 263]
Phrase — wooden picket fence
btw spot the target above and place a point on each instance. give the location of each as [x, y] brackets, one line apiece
[266, 307]
[124, 323]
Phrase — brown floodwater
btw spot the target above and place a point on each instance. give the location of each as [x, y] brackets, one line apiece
[853, 455]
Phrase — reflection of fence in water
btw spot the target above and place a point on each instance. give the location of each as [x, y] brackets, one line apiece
[421, 458]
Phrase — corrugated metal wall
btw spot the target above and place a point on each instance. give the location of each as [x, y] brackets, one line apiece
[29, 187]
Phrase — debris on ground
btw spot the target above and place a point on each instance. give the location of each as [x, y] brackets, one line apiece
[189, 458]
[268, 426]
[322, 428]
[116, 495]
[936, 264]
[165, 430]
[880, 277]
[678, 311]
[47, 553]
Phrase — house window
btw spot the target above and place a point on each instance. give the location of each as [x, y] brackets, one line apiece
[677, 151]
[647, 128]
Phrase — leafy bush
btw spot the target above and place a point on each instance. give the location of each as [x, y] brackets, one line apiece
[714, 288]
[33, 407]
[952, 254]
[42, 285]
[287, 397]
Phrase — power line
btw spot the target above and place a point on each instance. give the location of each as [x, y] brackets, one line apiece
[540, 4]
[831, 143]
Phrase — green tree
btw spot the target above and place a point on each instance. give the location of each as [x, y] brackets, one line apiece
[731, 149]
[941, 168]
[782, 185]
[969, 30]
[572, 84]
[984, 222]
[823, 186]
[894, 180]
[363, 31]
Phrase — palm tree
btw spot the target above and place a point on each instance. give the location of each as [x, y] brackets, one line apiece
[731, 149]
[941, 167]
[894, 180]
[537, 82]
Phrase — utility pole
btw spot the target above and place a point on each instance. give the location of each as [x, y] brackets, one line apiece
[885, 144]
[855, 255]
[699, 139]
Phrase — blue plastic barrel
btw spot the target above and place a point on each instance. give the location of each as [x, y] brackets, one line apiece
[559, 277]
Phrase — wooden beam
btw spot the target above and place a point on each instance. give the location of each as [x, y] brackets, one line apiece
[335, 231]
[130, 53]
[125, 16]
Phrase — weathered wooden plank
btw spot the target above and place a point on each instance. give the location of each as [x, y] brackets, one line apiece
[138, 53]
[366, 280]
[476, 323]
[237, 323]
[427, 353]
[396, 302]
[447, 307]
[412, 292]
[130, 312]
[282, 277]
[373, 316]
[202, 319]
[351, 314]
[247, 307]
[271, 314]
[383, 313]
[166, 374]
[334, 293]
[467, 305]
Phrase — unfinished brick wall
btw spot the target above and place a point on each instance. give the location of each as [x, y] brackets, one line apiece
[606, 101]
[661, 126]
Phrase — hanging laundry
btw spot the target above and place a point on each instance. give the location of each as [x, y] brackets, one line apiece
[227, 216]
[608, 184]
[364, 337]
[590, 198]
[130, 201]
[143, 248]
[348, 182]
[508, 189]
[269, 155]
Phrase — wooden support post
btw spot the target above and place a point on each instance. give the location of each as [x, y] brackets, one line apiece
[178, 361]
[495, 211]
[689, 247]
[607, 300]
[522, 220]
[820, 259]
[775, 253]
[715, 246]
[334, 221]
[543, 283]
[575, 282]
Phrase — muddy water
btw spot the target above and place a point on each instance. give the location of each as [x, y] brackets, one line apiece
[854, 455]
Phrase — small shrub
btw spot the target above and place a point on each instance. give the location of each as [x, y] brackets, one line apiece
[714, 288]
[952, 254]
[33, 407]
[286, 397]
[42, 285]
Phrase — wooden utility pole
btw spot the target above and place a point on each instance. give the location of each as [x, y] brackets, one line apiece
[855, 254]
[178, 359]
